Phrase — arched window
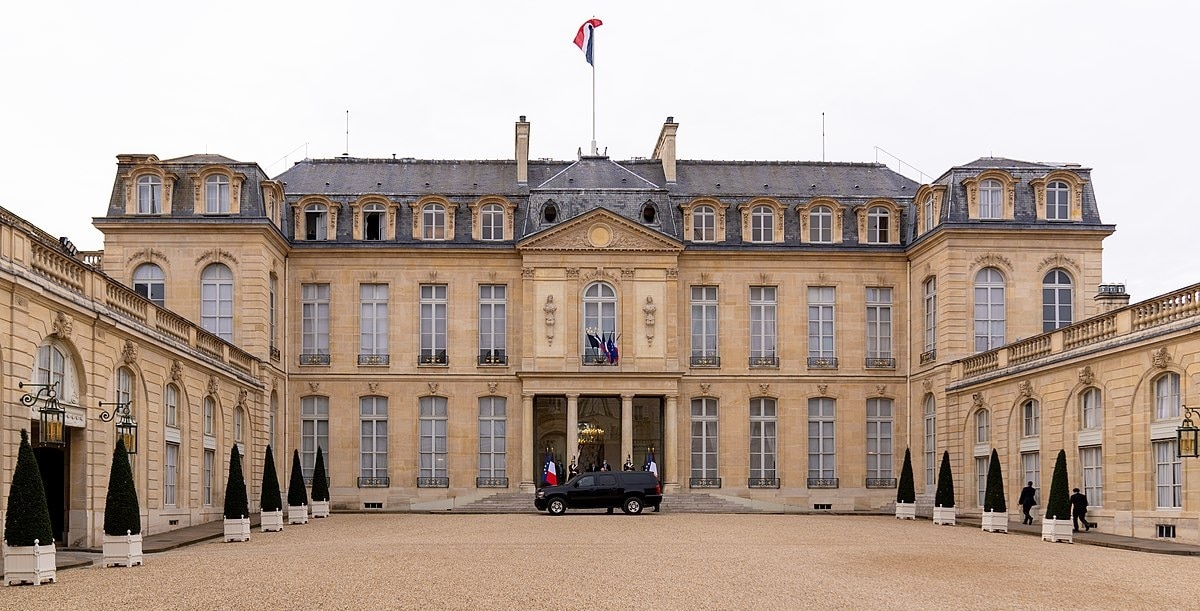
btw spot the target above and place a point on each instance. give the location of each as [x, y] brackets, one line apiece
[991, 199]
[216, 194]
[171, 405]
[930, 442]
[51, 367]
[762, 224]
[216, 301]
[649, 213]
[704, 224]
[989, 309]
[1057, 201]
[1030, 419]
[1166, 396]
[373, 215]
[599, 316]
[316, 222]
[1057, 299]
[550, 212]
[983, 427]
[1090, 416]
[239, 421]
[927, 214]
[878, 219]
[148, 281]
[820, 225]
[149, 194]
[491, 222]
[433, 222]
[210, 416]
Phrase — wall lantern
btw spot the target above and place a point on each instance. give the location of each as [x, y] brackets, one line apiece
[52, 418]
[1188, 435]
[126, 427]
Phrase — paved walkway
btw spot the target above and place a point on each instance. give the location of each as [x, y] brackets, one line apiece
[161, 542]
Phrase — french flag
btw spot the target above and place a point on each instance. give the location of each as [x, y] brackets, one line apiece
[551, 474]
[584, 39]
[651, 466]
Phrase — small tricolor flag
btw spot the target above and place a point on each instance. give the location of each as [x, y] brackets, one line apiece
[550, 474]
[651, 465]
[584, 38]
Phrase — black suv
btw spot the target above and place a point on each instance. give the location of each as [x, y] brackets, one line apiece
[629, 490]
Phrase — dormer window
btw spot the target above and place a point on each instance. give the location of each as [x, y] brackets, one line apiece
[820, 225]
[373, 215]
[149, 194]
[704, 224]
[1058, 203]
[762, 224]
[991, 199]
[549, 212]
[433, 222]
[649, 213]
[216, 194]
[927, 214]
[878, 224]
[491, 222]
[316, 224]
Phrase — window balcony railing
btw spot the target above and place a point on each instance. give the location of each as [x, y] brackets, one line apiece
[374, 482]
[274, 354]
[822, 482]
[881, 482]
[764, 362]
[762, 482]
[433, 482]
[430, 357]
[493, 358]
[881, 362]
[704, 482]
[595, 359]
[705, 360]
[308, 480]
[928, 356]
[491, 482]
[374, 360]
[314, 359]
[822, 362]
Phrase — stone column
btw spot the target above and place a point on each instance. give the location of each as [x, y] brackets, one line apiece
[572, 428]
[626, 429]
[527, 450]
[671, 451]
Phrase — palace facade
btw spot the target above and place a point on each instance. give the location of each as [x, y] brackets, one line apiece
[775, 332]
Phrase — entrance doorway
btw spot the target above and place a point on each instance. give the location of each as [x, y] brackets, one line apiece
[549, 436]
[52, 462]
[599, 433]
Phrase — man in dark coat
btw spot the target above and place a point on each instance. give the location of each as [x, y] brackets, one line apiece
[1027, 501]
[1079, 505]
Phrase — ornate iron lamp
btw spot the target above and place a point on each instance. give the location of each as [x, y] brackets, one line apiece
[1188, 435]
[126, 426]
[52, 418]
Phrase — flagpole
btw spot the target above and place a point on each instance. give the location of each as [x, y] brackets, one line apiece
[594, 152]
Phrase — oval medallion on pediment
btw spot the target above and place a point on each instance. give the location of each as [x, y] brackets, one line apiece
[600, 235]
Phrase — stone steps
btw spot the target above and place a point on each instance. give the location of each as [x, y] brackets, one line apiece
[688, 502]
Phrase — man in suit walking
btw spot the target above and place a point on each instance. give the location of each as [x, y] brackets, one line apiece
[1079, 505]
[1027, 501]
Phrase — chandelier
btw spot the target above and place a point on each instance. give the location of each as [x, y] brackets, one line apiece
[590, 434]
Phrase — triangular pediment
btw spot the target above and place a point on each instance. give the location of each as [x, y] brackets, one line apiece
[600, 230]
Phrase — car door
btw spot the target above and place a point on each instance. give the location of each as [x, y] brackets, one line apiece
[608, 492]
[583, 492]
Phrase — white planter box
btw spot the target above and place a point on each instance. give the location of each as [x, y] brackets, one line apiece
[943, 516]
[237, 530]
[320, 509]
[33, 564]
[1056, 530]
[123, 550]
[297, 514]
[272, 521]
[995, 521]
[906, 511]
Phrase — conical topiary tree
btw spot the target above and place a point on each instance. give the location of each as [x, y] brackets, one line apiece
[28, 516]
[1058, 505]
[944, 497]
[297, 494]
[320, 486]
[993, 494]
[271, 500]
[121, 513]
[236, 504]
[906, 492]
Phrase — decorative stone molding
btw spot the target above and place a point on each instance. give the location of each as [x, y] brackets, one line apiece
[705, 277]
[213, 385]
[977, 399]
[492, 386]
[628, 272]
[1025, 388]
[527, 273]
[242, 396]
[991, 260]
[705, 387]
[433, 388]
[372, 387]
[572, 272]
[601, 274]
[881, 389]
[672, 273]
[822, 389]
[1086, 375]
[927, 386]
[216, 254]
[1161, 358]
[176, 370]
[549, 308]
[146, 254]
[764, 388]
[314, 387]
[433, 275]
[649, 310]
[129, 352]
[62, 325]
[1057, 260]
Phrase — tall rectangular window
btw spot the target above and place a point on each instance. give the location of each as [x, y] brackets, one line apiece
[704, 322]
[981, 468]
[433, 451]
[210, 409]
[1030, 419]
[983, 427]
[373, 319]
[1092, 460]
[822, 459]
[990, 309]
[820, 322]
[762, 322]
[1168, 474]
[493, 323]
[820, 225]
[879, 323]
[433, 324]
[171, 405]
[930, 443]
[927, 214]
[493, 440]
[1031, 468]
[315, 318]
[762, 438]
[879, 438]
[704, 438]
[170, 473]
[314, 432]
[272, 286]
[704, 224]
[1166, 397]
[210, 457]
[1090, 417]
[373, 440]
[930, 314]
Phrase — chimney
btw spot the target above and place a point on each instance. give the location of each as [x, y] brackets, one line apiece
[522, 151]
[665, 149]
[1112, 297]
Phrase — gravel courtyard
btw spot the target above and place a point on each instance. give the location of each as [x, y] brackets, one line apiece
[597, 561]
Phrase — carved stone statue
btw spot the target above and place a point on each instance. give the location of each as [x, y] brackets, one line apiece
[549, 308]
[649, 310]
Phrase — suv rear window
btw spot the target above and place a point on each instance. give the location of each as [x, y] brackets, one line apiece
[606, 480]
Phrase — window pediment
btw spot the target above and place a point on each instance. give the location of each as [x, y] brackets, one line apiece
[1007, 194]
[477, 207]
[430, 205]
[695, 214]
[201, 183]
[373, 203]
[813, 216]
[300, 219]
[1053, 181]
[750, 210]
[879, 222]
[927, 206]
[150, 168]
[600, 230]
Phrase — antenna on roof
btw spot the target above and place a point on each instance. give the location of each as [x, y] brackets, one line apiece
[822, 136]
[347, 153]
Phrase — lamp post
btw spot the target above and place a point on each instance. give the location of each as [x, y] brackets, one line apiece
[126, 426]
[52, 418]
[1188, 435]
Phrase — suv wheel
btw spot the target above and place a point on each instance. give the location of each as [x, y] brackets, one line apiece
[556, 507]
[632, 505]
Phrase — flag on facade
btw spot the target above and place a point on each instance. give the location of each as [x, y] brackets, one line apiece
[584, 39]
[651, 466]
[610, 349]
[550, 473]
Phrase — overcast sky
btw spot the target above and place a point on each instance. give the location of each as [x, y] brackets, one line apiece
[935, 84]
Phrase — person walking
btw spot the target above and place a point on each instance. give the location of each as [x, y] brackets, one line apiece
[1079, 505]
[1027, 501]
